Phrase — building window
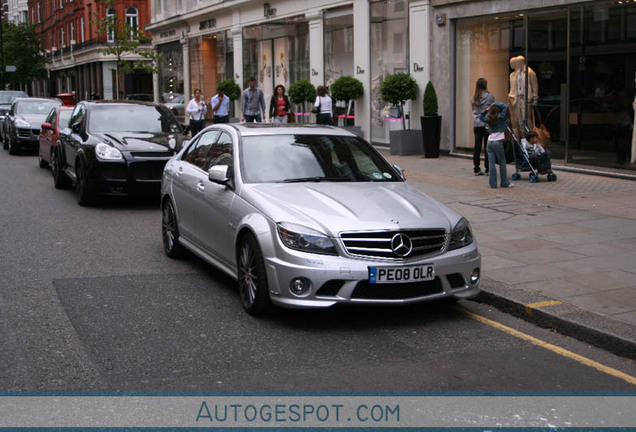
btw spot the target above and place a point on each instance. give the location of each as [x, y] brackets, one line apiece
[338, 27]
[62, 41]
[82, 29]
[72, 35]
[39, 19]
[110, 17]
[389, 55]
[132, 21]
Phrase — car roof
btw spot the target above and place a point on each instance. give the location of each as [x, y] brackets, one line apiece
[120, 103]
[252, 129]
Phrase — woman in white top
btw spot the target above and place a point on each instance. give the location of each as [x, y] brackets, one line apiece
[323, 101]
[196, 109]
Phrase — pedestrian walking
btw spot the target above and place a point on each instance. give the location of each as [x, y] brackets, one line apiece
[220, 104]
[495, 116]
[196, 109]
[252, 103]
[279, 105]
[480, 102]
[323, 106]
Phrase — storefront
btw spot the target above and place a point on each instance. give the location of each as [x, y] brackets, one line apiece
[571, 68]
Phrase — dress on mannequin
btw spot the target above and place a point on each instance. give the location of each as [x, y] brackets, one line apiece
[517, 99]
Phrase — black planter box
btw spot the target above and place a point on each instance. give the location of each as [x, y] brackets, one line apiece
[431, 133]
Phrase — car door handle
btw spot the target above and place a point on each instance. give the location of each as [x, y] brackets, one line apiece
[200, 187]
[179, 171]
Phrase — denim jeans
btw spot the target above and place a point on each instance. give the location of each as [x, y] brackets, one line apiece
[324, 119]
[496, 154]
[253, 118]
[481, 139]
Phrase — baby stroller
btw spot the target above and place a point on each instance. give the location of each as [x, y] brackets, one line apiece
[534, 162]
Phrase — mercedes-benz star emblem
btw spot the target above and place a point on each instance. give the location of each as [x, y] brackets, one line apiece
[401, 245]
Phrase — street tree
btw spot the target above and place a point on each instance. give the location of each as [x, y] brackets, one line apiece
[21, 48]
[125, 42]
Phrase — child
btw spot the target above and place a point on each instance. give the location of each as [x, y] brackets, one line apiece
[538, 156]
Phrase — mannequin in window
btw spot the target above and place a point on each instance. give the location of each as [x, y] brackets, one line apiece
[518, 98]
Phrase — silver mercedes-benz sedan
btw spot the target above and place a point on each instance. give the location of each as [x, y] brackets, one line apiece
[312, 216]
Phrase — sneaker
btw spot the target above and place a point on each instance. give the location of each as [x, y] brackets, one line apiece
[511, 185]
[478, 173]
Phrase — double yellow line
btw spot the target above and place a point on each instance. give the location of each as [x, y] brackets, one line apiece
[561, 351]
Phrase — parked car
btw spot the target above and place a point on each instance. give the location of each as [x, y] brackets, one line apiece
[115, 148]
[24, 120]
[175, 101]
[57, 119]
[6, 99]
[146, 97]
[312, 216]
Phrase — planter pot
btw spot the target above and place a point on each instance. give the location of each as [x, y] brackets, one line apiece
[353, 129]
[406, 142]
[431, 133]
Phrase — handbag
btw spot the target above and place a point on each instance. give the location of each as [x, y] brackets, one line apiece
[291, 117]
[542, 131]
[316, 109]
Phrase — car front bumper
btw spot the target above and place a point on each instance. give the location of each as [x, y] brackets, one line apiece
[138, 176]
[345, 279]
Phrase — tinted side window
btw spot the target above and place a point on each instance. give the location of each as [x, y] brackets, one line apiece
[198, 153]
[221, 152]
[51, 117]
[78, 115]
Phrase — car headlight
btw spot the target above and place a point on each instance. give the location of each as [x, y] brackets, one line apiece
[22, 123]
[305, 239]
[461, 235]
[106, 152]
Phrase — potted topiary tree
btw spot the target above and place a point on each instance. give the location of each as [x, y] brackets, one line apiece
[431, 123]
[233, 91]
[300, 92]
[348, 89]
[397, 89]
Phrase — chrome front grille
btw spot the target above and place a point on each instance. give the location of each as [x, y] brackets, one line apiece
[383, 244]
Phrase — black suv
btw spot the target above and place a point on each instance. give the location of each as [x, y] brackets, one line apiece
[115, 148]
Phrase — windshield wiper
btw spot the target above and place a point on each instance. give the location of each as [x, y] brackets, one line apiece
[316, 179]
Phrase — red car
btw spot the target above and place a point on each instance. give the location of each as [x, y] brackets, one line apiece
[57, 119]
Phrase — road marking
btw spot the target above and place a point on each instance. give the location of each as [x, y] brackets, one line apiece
[531, 306]
[558, 350]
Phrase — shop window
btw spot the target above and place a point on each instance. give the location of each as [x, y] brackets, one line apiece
[338, 50]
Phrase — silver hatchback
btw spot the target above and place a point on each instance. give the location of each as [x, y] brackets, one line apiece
[312, 216]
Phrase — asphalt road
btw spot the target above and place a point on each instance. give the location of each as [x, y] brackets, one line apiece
[89, 302]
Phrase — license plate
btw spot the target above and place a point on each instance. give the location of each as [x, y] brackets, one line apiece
[383, 275]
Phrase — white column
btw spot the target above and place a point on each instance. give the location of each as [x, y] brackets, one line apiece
[185, 50]
[419, 53]
[237, 40]
[156, 96]
[316, 48]
[362, 62]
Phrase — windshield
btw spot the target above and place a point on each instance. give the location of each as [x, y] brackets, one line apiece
[35, 107]
[312, 158]
[7, 97]
[131, 118]
[65, 116]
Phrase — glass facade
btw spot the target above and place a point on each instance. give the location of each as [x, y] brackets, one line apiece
[276, 53]
[171, 74]
[579, 80]
[389, 33]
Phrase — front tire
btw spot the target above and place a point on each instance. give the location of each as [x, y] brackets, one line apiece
[170, 231]
[252, 277]
[13, 150]
[84, 198]
[60, 181]
[41, 162]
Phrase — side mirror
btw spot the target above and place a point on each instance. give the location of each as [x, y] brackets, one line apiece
[400, 172]
[46, 126]
[219, 174]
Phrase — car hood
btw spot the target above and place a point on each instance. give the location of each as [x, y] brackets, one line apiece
[336, 207]
[35, 120]
[139, 141]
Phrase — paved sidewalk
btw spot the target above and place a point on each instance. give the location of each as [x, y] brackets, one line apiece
[561, 254]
